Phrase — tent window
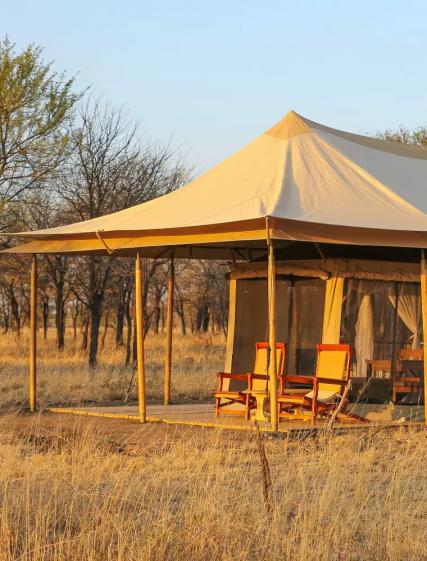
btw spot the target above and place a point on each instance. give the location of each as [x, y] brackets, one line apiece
[379, 318]
[300, 303]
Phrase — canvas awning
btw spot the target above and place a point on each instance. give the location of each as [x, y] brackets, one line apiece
[314, 183]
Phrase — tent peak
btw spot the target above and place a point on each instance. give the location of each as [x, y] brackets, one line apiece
[291, 125]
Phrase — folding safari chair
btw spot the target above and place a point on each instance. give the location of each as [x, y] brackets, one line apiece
[226, 396]
[328, 384]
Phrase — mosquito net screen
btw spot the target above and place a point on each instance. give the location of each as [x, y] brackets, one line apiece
[299, 319]
[379, 319]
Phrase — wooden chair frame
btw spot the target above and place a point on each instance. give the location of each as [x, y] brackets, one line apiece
[289, 401]
[408, 384]
[225, 398]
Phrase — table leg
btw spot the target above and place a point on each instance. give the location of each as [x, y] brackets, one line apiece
[259, 414]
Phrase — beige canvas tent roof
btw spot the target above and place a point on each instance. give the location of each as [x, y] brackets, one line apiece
[313, 183]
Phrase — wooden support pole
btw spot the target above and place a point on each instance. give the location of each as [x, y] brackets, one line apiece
[169, 334]
[228, 367]
[272, 368]
[33, 334]
[424, 315]
[139, 316]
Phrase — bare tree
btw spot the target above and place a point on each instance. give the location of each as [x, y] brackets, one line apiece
[122, 286]
[158, 289]
[201, 295]
[108, 171]
[42, 209]
[91, 185]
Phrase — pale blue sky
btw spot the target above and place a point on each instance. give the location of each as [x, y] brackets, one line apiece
[214, 74]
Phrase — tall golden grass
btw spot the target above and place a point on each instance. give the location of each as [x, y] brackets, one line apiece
[65, 379]
[73, 490]
[80, 489]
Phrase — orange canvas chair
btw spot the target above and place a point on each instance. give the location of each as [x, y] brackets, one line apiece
[257, 380]
[328, 384]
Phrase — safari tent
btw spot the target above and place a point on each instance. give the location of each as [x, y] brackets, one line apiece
[325, 233]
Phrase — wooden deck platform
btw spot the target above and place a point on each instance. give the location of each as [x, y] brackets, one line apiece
[202, 415]
[192, 414]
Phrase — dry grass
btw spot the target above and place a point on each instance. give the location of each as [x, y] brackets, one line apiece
[65, 379]
[72, 489]
[79, 489]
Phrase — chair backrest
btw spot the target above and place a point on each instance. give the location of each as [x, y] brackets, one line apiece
[261, 362]
[333, 362]
[411, 354]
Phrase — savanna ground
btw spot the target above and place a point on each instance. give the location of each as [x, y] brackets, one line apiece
[74, 488]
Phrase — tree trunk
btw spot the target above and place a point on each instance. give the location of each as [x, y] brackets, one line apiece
[156, 314]
[202, 318]
[6, 318]
[183, 325]
[180, 310]
[128, 334]
[163, 317]
[74, 317]
[128, 316]
[60, 316]
[85, 330]
[16, 314]
[224, 326]
[120, 321]
[45, 316]
[95, 322]
[106, 326]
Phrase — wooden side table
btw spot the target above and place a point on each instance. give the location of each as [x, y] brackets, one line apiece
[260, 396]
[378, 368]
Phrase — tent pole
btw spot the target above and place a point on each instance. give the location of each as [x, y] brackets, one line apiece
[139, 316]
[169, 334]
[394, 334]
[424, 315]
[272, 369]
[228, 366]
[33, 334]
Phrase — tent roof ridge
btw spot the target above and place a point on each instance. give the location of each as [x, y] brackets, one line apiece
[293, 124]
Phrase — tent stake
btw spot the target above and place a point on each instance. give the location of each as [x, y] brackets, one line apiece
[169, 334]
[33, 334]
[139, 315]
[272, 369]
[424, 315]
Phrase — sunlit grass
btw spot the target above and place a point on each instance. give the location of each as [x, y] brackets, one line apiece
[64, 377]
[81, 489]
[72, 490]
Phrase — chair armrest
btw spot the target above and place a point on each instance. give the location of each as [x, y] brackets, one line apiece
[231, 376]
[323, 380]
[243, 377]
[285, 378]
[259, 376]
[297, 379]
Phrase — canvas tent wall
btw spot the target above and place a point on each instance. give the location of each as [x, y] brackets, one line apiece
[374, 306]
